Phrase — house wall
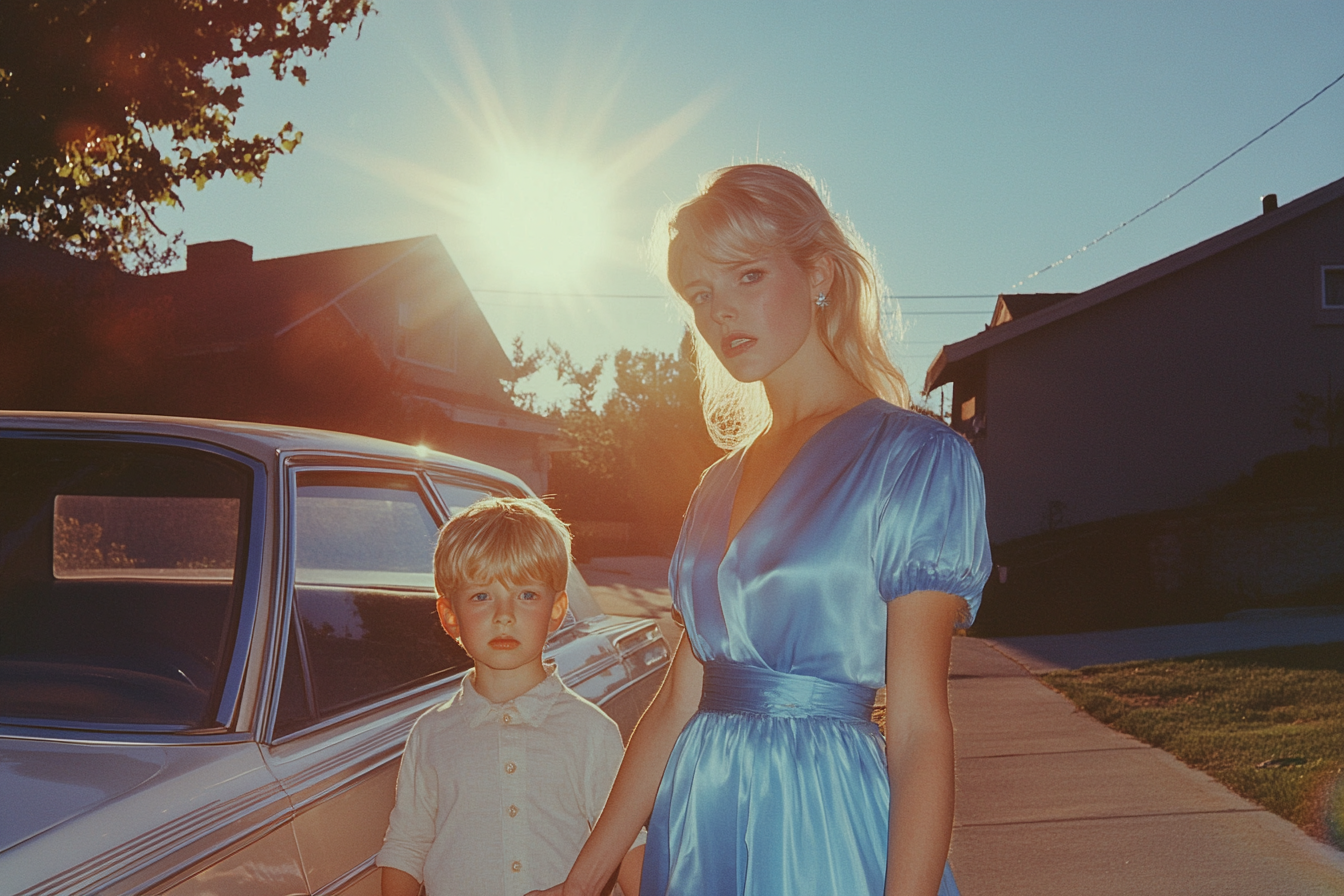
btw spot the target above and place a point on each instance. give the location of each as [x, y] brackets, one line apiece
[520, 453]
[1152, 399]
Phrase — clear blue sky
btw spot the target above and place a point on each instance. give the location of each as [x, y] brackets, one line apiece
[970, 143]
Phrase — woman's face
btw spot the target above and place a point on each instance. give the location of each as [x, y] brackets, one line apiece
[756, 314]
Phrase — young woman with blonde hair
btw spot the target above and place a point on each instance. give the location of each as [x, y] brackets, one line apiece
[832, 552]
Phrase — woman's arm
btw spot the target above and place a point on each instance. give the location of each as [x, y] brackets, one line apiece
[919, 740]
[636, 785]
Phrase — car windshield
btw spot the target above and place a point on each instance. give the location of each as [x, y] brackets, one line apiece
[119, 572]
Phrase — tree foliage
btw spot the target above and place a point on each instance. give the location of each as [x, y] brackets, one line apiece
[108, 106]
[638, 455]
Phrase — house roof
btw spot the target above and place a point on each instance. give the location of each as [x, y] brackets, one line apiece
[1015, 306]
[224, 298]
[952, 358]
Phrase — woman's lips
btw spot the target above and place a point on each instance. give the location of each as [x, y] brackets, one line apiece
[735, 344]
[504, 643]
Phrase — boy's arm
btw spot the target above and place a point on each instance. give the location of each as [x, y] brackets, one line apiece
[636, 786]
[398, 883]
[411, 828]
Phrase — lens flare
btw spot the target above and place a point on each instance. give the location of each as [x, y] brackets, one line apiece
[542, 220]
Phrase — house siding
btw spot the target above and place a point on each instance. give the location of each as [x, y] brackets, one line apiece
[1156, 397]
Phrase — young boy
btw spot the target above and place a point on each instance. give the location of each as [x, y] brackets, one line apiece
[500, 786]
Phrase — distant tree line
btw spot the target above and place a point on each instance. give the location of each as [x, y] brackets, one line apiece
[636, 456]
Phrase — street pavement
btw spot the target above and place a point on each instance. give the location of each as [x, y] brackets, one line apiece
[1050, 801]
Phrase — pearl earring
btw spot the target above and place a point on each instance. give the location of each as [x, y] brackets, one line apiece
[822, 301]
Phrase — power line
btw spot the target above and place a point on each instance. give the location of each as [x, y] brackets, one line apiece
[903, 312]
[1189, 183]
[553, 294]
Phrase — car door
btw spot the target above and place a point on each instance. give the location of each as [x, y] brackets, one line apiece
[364, 656]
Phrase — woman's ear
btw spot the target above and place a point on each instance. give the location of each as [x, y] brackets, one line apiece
[822, 276]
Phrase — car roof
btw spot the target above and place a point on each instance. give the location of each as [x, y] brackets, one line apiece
[260, 440]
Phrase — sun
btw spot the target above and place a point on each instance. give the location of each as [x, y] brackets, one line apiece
[542, 220]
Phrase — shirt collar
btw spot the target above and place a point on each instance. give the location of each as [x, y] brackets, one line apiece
[530, 708]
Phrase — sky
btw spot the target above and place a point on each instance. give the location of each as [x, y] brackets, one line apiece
[971, 144]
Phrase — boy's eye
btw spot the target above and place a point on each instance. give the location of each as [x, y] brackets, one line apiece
[479, 596]
[529, 595]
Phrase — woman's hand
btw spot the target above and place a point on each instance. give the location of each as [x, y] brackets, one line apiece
[636, 786]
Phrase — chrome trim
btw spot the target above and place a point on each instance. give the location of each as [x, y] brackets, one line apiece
[592, 671]
[105, 871]
[226, 714]
[630, 684]
[349, 877]
[348, 767]
[122, 736]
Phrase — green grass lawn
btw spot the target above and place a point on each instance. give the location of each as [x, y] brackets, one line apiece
[1269, 724]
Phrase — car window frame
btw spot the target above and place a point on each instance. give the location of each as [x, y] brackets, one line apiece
[243, 619]
[291, 465]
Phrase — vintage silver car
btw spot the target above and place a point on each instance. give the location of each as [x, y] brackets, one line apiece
[214, 638]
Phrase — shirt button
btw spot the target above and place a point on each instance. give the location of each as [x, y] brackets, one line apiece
[513, 811]
[507, 718]
[517, 866]
[510, 768]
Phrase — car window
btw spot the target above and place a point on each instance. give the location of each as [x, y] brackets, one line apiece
[120, 574]
[457, 496]
[130, 537]
[365, 622]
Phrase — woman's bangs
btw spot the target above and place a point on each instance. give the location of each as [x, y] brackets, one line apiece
[717, 235]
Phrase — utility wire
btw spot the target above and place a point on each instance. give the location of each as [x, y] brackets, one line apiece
[552, 294]
[1181, 188]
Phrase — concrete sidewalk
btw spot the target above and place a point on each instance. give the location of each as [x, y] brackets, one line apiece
[1050, 801]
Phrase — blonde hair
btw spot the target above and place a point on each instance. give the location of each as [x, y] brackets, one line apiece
[502, 539]
[745, 211]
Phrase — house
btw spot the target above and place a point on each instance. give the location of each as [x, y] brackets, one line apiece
[1150, 393]
[384, 339]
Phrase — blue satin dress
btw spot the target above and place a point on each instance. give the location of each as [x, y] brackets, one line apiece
[778, 785]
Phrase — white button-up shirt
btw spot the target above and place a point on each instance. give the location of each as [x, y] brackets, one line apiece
[500, 797]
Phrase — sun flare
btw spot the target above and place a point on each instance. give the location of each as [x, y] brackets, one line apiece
[543, 221]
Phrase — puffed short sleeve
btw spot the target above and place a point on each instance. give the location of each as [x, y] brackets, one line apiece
[931, 533]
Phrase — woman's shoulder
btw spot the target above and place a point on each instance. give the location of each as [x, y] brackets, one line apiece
[894, 422]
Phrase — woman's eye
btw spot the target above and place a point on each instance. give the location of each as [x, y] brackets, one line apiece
[752, 276]
[697, 298]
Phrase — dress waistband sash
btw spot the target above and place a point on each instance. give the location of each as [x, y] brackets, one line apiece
[736, 687]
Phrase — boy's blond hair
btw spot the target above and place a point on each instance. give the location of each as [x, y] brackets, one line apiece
[502, 539]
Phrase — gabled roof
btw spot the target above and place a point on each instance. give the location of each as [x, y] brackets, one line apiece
[228, 299]
[1015, 306]
[945, 367]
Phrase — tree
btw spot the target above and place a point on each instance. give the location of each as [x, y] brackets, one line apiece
[108, 106]
[638, 457]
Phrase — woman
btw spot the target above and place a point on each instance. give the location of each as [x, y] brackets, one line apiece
[831, 553]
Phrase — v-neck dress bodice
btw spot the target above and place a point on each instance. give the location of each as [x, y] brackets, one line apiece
[778, 786]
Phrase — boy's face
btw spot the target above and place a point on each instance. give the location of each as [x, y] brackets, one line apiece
[503, 625]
